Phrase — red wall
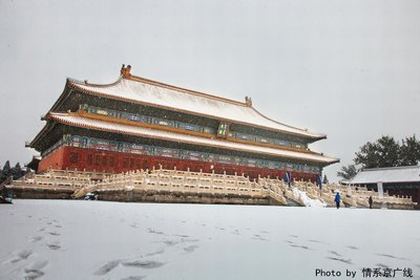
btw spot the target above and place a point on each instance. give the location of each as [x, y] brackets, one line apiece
[53, 160]
[117, 162]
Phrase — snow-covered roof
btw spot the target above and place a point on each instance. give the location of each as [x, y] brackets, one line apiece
[144, 91]
[403, 174]
[80, 121]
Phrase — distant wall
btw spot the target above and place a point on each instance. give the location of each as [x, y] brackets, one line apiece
[401, 189]
[171, 197]
[38, 193]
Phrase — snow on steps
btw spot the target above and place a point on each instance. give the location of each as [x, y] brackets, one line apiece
[306, 200]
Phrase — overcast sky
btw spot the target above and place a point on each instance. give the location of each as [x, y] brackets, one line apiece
[350, 69]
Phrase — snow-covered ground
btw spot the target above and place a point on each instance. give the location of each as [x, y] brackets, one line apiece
[57, 239]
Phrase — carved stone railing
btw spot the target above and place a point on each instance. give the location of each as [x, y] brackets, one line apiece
[54, 179]
[158, 180]
[351, 197]
[183, 182]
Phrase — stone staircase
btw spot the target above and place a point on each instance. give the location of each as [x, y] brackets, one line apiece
[183, 182]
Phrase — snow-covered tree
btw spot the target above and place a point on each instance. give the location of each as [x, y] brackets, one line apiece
[384, 152]
[410, 151]
[17, 171]
[347, 172]
[5, 172]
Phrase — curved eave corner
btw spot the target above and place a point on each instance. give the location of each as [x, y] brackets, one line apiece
[49, 123]
[337, 160]
[302, 132]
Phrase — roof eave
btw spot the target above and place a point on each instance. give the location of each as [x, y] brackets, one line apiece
[66, 92]
[69, 123]
[48, 126]
[303, 132]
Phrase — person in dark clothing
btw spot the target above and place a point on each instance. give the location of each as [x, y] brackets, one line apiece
[370, 202]
[337, 199]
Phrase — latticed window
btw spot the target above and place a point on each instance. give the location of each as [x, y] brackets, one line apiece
[222, 130]
[84, 141]
[145, 119]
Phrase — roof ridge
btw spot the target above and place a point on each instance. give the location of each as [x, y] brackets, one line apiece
[160, 84]
[185, 90]
[392, 167]
[86, 83]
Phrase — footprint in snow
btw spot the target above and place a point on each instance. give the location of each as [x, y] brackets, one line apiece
[21, 255]
[159, 252]
[236, 232]
[191, 248]
[140, 277]
[347, 261]
[36, 239]
[54, 246]
[258, 237]
[391, 256]
[315, 241]
[299, 246]
[187, 240]
[34, 271]
[182, 235]
[170, 242]
[335, 253]
[32, 274]
[148, 264]
[150, 230]
[106, 268]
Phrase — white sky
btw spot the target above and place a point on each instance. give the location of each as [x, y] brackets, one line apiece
[350, 69]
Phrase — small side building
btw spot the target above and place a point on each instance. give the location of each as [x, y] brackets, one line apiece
[403, 181]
